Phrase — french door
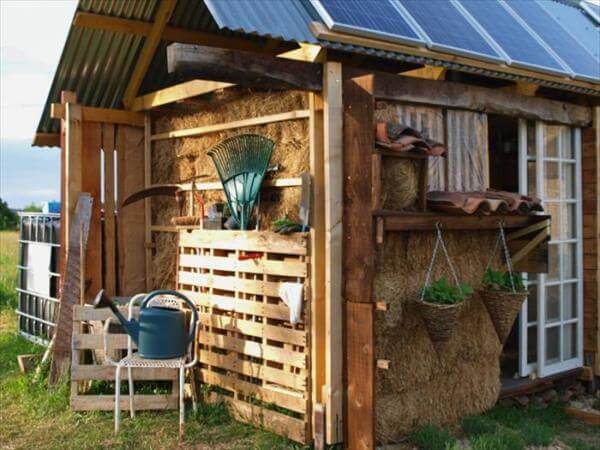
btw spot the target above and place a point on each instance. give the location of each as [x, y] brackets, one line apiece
[551, 320]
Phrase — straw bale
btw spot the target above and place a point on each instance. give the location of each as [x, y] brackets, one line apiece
[399, 184]
[164, 261]
[422, 385]
[176, 160]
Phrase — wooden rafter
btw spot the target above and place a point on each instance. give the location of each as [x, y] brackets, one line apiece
[165, 9]
[105, 115]
[173, 34]
[175, 93]
[46, 140]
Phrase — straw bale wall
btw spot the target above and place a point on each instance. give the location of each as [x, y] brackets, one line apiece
[174, 160]
[421, 385]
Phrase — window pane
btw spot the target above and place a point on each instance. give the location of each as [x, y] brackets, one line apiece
[531, 344]
[552, 303]
[569, 270]
[552, 345]
[552, 262]
[569, 301]
[568, 180]
[531, 138]
[532, 304]
[570, 341]
[567, 215]
[567, 143]
[553, 209]
[551, 180]
[551, 141]
[531, 178]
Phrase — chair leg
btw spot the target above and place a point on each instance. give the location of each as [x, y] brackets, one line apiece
[117, 398]
[131, 393]
[194, 391]
[181, 400]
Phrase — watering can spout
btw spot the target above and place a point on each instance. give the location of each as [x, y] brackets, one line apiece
[132, 327]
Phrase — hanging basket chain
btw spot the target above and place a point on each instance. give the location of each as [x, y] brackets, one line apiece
[502, 240]
[439, 242]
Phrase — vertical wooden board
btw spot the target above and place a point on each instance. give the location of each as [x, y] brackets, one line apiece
[359, 259]
[131, 247]
[317, 251]
[360, 366]
[110, 232]
[73, 153]
[358, 255]
[147, 205]
[333, 183]
[467, 157]
[90, 182]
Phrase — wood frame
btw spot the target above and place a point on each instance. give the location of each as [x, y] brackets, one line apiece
[161, 17]
[105, 115]
[176, 93]
[333, 188]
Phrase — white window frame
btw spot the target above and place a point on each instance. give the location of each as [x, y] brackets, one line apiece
[539, 367]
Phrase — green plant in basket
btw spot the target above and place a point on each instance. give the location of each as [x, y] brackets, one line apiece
[496, 280]
[441, 292]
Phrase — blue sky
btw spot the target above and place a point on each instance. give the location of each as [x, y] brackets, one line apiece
[32, 35]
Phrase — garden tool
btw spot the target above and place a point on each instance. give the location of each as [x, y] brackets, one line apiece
[160, 331]
[241, 163]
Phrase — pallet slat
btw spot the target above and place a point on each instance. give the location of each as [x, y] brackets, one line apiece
[107, 402]
[270, 267]
[264, 241]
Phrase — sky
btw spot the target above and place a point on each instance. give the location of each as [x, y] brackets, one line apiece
[32, 35]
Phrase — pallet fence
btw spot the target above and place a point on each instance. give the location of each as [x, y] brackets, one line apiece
[249, 351]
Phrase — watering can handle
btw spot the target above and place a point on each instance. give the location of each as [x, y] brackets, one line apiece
[153, 294]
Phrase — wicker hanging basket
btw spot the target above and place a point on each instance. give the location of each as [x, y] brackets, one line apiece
[440, 320]
[503, 307]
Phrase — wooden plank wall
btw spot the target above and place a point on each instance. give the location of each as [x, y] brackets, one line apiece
[591, 233]
[467, 144]
[248, 347]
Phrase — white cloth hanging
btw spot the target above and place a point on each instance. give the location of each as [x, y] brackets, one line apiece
[292, 295]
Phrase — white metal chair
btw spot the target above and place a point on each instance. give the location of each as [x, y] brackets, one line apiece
[132, 360]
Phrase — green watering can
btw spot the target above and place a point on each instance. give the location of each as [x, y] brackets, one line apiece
[160, 331]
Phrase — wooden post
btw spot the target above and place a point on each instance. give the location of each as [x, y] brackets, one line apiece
[147, 204]
[359, 259]
[317, 252]
[332, 164]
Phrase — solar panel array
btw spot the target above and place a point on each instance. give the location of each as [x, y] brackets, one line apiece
[542, 35]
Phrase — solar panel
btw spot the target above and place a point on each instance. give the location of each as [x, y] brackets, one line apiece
[448, 28]
[560, 41]
[578, 23]
[375, 18]
[521, 47]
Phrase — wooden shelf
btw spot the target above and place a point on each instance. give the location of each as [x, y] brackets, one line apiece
[424, 221]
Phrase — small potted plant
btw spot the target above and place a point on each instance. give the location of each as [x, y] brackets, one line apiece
[440, 305]
[503, 294]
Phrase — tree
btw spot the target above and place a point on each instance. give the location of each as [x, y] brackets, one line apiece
[32, 207]
[8, 218]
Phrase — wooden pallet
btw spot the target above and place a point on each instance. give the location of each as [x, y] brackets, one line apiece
[88, 338]
[248, 348]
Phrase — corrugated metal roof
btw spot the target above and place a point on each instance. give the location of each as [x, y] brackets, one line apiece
[292, 18]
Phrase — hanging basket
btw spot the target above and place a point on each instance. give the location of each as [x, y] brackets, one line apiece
[503, 307]
[440, 320]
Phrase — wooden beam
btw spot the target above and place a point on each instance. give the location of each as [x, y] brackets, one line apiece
[306, 52]
[427, 72]
[175, 93]
[359, 258]
[333, 184]
[104, 115]
[291, 115]
[161, 17]
[322, 32]
[73, 163]
[245, 68]
[46, 140]
[147, 203]
[173, 34]
[317, 263]
[480, 99]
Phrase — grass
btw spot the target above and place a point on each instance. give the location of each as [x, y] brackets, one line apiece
[34, 416]
[430, 437]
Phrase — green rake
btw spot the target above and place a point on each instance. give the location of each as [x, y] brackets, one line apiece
[241, 162]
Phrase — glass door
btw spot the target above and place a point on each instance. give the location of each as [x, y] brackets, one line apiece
[551, 328]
